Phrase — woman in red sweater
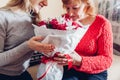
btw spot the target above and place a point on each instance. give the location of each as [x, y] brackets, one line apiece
[93, 54]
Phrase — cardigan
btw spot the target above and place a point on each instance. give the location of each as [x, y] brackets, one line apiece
[96, 47]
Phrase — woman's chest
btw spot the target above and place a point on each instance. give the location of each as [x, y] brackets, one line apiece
[88, 45]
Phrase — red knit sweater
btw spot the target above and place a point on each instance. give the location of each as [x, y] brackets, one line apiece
[96, 47]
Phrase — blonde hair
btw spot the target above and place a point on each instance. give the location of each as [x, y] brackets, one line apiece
[24, 5]
[90, 6]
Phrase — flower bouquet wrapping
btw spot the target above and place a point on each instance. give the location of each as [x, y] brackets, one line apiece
[65, 35]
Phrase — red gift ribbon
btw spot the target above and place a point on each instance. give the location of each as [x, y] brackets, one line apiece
[70, 61]
[45, 59]
[69, 58]
[43, 75]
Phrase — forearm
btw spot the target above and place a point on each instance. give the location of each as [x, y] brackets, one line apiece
[94, 64]
[6, 57]
[76, 59]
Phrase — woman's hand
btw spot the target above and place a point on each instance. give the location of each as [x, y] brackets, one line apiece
[61, 59]
[34, 44]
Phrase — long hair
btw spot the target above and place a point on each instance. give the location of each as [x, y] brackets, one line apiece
[91, 8]
[24, 5]
[90, 5]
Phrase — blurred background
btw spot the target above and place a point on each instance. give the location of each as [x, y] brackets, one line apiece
[109, 8]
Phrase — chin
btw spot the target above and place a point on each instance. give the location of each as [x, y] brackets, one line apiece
[37, 9]
[74, 19]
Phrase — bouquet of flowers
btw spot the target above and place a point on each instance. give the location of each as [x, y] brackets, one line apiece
[65, 35]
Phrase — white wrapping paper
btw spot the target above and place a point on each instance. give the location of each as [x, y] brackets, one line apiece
[65, 41]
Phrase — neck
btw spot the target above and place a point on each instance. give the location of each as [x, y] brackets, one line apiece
[83, 16]
[87, 19]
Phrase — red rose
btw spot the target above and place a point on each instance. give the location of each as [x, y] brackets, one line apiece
[41, 23]
[60, 23]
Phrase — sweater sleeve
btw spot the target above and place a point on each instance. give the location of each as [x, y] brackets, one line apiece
[103, 59]
[6, 57]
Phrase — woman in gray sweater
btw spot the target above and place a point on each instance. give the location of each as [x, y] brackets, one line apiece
[16, 38]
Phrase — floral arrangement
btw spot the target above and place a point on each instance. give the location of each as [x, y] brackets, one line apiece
[65, 35]
[62, 23]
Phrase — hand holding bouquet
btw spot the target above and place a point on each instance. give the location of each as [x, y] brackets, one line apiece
[65, 35]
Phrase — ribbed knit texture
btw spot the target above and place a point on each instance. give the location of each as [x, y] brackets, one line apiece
[96, 47]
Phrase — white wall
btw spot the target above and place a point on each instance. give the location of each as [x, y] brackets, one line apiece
[53, 9]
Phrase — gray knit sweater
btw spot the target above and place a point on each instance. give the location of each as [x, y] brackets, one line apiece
[15, 29]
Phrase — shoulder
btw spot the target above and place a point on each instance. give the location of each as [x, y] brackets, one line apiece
[101, 18]
[104, 22]
[6, 16]
[3, 15]
[4, 12]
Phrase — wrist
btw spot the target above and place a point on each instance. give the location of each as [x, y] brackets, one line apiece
[76, 59]
[77, 63]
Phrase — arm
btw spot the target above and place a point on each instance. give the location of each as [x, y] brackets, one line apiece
[7, 57]
[18, 49]
[103, 59]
